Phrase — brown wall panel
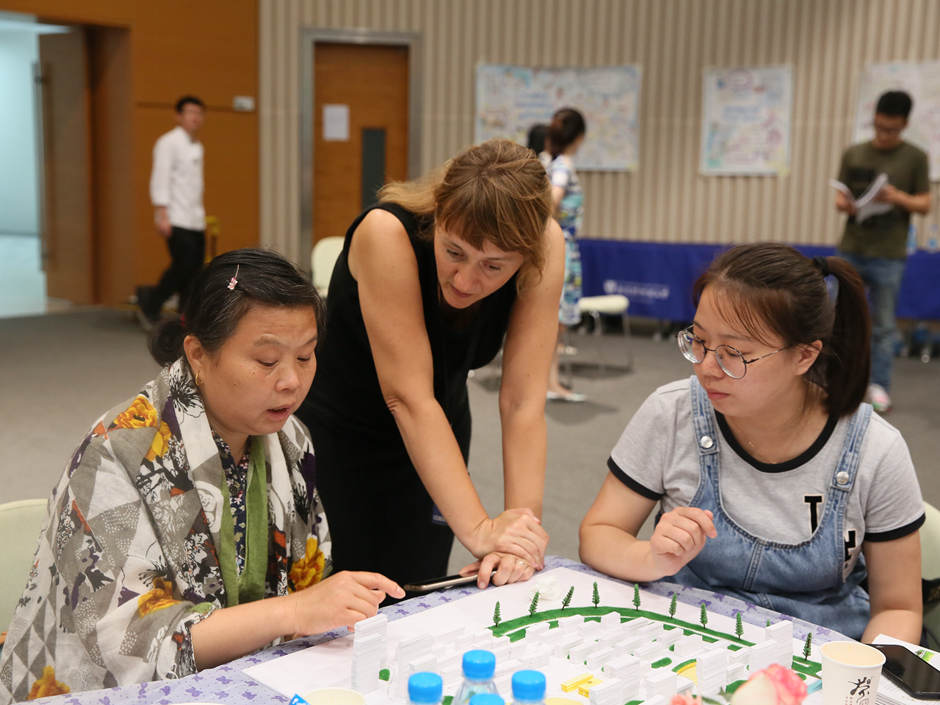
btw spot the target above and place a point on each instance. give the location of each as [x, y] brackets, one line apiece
[106, 12]
[151, 256]
[231, 173]
[112, 162]
[207, 48]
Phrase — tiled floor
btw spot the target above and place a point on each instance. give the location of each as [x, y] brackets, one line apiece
[22, 282]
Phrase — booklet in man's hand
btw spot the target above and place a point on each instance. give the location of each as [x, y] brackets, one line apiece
[865, 205]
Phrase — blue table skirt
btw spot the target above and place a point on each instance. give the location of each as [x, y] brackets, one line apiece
[228, 684]
[658, 277]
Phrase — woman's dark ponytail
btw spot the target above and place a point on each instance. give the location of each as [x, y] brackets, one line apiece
[566, 126]
[848, 367]
[166, 341]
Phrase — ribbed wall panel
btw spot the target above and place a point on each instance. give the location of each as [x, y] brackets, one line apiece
[826, 42]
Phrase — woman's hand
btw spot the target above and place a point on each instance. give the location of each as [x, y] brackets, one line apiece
[340, 601]
[679, 537]
[515, 531]
[500, 569]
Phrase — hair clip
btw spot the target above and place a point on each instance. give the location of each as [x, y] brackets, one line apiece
[234, 280]
[822, 265]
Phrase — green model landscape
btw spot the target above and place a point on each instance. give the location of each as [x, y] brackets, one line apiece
[515, 629]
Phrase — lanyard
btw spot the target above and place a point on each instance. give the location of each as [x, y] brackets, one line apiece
[249, 585]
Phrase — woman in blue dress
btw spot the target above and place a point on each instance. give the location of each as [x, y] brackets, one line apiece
[565, 135]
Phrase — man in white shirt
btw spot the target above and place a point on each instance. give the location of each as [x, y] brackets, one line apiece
[176, 193]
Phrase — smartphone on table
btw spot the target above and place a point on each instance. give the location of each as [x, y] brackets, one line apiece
[448, 581]
[910, 672]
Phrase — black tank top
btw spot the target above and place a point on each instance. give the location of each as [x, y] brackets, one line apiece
[345, 398]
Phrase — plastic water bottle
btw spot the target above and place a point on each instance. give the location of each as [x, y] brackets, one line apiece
[478, 668]
[425, 688]
[528, 688]
[486, 699]
[911, 239]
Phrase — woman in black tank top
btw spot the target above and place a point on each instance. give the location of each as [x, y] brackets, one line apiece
[430, 283]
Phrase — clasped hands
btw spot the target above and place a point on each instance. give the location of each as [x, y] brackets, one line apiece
[510, 548]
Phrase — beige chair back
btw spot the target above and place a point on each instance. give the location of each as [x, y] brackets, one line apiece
[20, 523]
[322, 259]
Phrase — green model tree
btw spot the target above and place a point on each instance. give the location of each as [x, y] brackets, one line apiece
[703, 617]
[496, 617]
[595, 597]
[672, 605]
[567, 600]
[808, 646]
[738, 626]
[636, 596]
[768, 622]
[534, 605]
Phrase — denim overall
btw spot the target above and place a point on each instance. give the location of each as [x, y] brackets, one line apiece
[804, 580]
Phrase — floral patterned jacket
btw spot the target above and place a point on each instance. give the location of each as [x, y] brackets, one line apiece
[127, 561]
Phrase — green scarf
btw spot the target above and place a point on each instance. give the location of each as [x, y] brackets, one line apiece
[248, 586]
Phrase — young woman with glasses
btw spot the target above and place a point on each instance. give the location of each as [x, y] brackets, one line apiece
[775, 483]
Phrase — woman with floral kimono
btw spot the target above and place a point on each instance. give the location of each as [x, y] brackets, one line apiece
[184, 507]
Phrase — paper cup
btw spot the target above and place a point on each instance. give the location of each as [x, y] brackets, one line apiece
[334, 696]
[850, 673]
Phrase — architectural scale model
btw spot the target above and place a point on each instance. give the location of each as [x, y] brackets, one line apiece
[598, 642]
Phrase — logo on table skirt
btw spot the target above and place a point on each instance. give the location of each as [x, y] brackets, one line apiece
[437, 517]
[637, 290]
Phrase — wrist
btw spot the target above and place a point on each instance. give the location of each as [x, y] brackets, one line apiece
[286, 615]
[474, 537]
[652, 566]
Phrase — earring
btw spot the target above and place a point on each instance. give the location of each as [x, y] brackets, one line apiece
[198, 380]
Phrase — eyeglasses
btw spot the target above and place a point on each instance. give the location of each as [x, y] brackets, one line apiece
[730, 360]
[885, 130]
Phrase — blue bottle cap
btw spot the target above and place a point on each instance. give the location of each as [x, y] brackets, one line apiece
[479, 664]
[425, 687]
[486, 699]
[528, 685]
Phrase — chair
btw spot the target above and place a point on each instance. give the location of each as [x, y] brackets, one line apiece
[609, 305]
[20, 523]
[930, 570]
[322, 259]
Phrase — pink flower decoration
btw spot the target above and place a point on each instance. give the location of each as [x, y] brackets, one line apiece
[775, 685]
[685, 700]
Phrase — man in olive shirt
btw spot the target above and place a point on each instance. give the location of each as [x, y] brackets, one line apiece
[877, 247]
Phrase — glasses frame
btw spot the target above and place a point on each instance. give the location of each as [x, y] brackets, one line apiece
[887, 130]
[732, 350]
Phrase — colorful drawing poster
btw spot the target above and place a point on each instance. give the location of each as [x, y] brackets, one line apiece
[922, 81]
[746, 120]
[510, 99]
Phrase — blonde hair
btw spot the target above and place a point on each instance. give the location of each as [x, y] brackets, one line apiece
[496, 191]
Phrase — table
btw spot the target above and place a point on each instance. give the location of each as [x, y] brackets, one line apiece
[228, 684]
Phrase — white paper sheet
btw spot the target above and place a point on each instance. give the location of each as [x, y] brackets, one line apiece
[336, 122]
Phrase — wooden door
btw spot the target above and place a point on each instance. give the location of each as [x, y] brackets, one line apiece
[369, 84]
[66, 231]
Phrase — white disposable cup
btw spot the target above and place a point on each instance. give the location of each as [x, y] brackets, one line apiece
[850, 673]
[334, 696]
